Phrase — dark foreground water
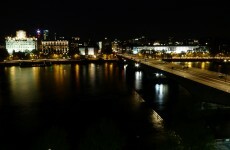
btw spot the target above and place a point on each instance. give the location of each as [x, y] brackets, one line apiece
[97, 106]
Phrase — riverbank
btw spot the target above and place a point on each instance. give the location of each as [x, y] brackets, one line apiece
[37, 62]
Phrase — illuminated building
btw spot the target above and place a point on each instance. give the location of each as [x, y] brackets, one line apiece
[55, 47]
[167, 49]
[106, 46]
[90, 51]
[20, 43]
[74, 45]
[115, 46]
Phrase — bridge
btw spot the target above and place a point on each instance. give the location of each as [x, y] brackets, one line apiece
[208, 86]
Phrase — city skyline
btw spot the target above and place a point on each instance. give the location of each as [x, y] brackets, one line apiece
[121, 20]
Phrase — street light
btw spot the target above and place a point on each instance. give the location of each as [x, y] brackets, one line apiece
[226, 74]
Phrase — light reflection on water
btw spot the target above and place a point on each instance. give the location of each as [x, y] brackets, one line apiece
[22, 85]
[77, 75]
[161, 95]
[92, 76]
[69, 96]
[59, 75]
[138, 80]
[34, 99]
[159, 90]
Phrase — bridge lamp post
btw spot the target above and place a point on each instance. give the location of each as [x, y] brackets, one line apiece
[226, 75]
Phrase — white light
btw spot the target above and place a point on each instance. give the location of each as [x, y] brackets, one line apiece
[20, 42]
[91, 51]
[138, 79]
[82, 51]
[21, 34]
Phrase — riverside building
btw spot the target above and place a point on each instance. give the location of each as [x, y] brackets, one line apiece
[55, 47]
[20, 43]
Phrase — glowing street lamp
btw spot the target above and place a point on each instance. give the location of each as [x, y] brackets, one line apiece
[137, 65]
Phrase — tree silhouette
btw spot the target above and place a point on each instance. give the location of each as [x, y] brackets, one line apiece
[3, 54]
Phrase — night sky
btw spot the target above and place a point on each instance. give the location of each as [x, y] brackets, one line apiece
[119, 19]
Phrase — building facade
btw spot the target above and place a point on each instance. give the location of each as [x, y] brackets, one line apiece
[88, 51]
[20, 43]
[55, 47]
[167, 49]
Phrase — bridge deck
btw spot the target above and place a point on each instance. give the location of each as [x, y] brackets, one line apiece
[206, 77]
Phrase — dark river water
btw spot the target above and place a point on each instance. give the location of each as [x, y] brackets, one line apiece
[98, 106]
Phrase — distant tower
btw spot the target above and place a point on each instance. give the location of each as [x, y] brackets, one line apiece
[38, 33]
[55, 36]
[106, 46]
[45, 34]
[100, 46]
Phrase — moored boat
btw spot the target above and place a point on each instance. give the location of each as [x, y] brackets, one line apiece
[35, 64]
